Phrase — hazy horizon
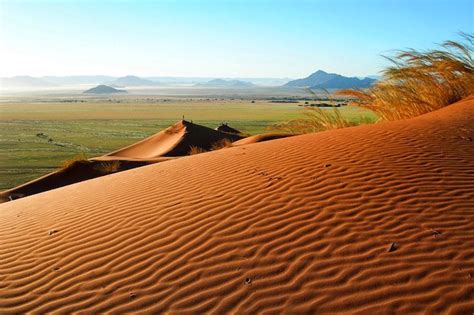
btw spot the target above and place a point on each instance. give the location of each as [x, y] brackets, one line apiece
[229, 39]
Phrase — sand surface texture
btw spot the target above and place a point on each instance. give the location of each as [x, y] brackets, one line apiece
[374, 218]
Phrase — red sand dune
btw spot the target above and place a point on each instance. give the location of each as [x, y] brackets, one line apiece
[368, 219]
[175, 141]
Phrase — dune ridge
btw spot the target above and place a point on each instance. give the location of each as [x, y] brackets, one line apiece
[172, 142]
[366, 219]
[261, 138]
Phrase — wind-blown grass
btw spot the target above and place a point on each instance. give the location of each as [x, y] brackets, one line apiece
[419, 82]
[318, 119]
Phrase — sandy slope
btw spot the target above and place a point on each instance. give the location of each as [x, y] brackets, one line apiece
[375, 218]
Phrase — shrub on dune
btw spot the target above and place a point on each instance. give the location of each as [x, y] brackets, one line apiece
[196, 150]
[221, 144]
[108, 167]
[419, 82]
[79, 158]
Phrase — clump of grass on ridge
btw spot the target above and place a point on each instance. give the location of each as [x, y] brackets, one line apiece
[224, 143]
[108, 167]
[419, 82]
[196, 150]
[69, 162]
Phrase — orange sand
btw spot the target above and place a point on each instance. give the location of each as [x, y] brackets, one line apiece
[368, 219]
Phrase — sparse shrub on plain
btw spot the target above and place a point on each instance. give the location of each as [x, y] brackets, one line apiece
[419, 82]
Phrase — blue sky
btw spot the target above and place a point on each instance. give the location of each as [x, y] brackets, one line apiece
[219, 38]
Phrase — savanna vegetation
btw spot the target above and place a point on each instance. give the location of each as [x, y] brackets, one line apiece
[38, 134]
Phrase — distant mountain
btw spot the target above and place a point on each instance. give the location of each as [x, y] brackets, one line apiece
[195, 80]
[24, 82]
[226, 83]
[321, 79]
[266, 81]
[131, 80]
[134, 81]
[78, 79]
[103, 89]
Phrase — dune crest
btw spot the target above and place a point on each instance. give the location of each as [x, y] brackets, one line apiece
[175, 140]
[367, 219]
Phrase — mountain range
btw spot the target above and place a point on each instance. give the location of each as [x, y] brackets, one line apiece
[25, 82]
[226, 83]
[131, 80]
[323, 80]
[78, 79]
[319, 79]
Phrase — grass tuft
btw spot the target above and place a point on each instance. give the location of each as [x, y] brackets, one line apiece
[221, 144]
[70, 162]
[318, 119]
[108, 167]
[196, 150]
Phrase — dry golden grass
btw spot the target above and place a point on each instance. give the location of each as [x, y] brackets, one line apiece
[221, 144]
[108, 167]
[224, 143]
[421, 81]
[69, 162]
[318, 119]
[196, 150]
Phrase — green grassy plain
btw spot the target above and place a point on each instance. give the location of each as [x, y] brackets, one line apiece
[37, 135]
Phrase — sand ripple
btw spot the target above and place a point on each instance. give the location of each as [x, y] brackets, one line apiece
[368, 219]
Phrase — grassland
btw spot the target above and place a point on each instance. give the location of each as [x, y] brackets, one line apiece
[37, 135]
